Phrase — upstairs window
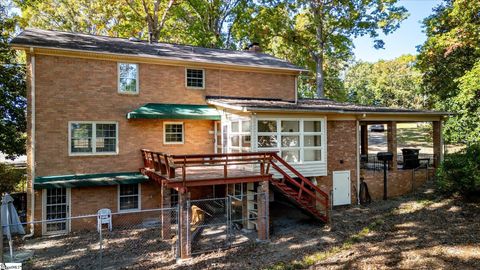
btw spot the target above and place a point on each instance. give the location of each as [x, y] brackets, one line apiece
[173, 133]
[195, 78]
[89, 138]
[127, 78]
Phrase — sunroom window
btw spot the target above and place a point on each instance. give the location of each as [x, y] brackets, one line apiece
[297, 140]
[240, 138]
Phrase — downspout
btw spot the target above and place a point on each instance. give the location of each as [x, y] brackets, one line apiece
[358, 161]
[32, 143]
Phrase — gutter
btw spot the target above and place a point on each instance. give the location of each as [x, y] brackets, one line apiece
[358, 161]
[32, 144]
[253, 109]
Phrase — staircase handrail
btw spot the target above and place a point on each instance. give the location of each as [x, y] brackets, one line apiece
[299, 175]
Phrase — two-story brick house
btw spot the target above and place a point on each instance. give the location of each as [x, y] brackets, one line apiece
[94, 102]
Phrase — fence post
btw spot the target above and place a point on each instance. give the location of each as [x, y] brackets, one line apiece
[1, 242]
[101, 247]
[330, 209]
[227, 210]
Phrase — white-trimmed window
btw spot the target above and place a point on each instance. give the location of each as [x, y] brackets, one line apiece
[173, 133]
[90, 138]
[195, 78]
[239, 136]
[128, 78]
[129, 197]
[298, 140]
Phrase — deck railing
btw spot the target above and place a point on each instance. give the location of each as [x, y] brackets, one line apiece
[167, 164]
[371, 162]
[305, 192]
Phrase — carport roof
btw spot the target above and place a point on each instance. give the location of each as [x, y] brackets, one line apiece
[309, 105]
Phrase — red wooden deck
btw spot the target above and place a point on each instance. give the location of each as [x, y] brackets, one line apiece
[182, 171]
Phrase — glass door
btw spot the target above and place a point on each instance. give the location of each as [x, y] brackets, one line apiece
[218, 138]
[57, 208]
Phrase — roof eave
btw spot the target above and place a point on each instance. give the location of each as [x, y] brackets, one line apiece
[303, 110]
[18, 46]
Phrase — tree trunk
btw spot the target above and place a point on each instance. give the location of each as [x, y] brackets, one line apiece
[319, 57]
[319, 76]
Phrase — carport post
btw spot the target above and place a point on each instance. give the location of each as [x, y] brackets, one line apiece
[364, 139]
[437, 143]
[392, 143]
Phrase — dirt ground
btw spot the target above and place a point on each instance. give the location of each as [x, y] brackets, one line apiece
[419, 231]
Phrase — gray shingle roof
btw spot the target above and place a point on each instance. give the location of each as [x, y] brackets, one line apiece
[309, 105]
[103, 44]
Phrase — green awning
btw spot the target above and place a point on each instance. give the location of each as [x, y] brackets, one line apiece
[174, 111]
[88, 180]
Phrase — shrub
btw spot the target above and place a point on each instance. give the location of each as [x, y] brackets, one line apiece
[11, 179]
[460, 172]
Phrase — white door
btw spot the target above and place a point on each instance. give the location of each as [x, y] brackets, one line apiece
[56, 203]
[341, 188]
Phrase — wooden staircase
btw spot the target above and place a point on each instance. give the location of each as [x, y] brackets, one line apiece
[299, 189]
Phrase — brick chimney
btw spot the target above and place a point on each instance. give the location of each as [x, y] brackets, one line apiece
[254, 47]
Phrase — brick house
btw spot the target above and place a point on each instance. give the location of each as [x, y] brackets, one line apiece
[95, 102]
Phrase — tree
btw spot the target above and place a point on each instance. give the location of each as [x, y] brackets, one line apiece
[318, 33]
[154, 13]
[12, 91]
[392, 83]
[450, 52]
[101, 17]
[209, 23]
[464, 126]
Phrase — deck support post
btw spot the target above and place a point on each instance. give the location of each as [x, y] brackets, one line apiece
[262, 211]
[392, 143]
[166, 214]
[184, 225]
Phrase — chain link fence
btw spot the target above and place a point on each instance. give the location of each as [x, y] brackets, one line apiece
[133, 239]
[225, 222]
[141, 239]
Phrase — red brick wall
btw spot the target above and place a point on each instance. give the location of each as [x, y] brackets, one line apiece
[400, 182]
[341, 154]
[70, 89]
[88, 200]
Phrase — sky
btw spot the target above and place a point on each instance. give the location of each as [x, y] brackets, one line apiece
[404, 40]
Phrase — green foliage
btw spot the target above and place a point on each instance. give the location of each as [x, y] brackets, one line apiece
[460, 172]
[103, 17]
[318, 35]
[13, 179]
[12, 92]
[313, 34]
[464, 126]
[393, 83]
[449, 61]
